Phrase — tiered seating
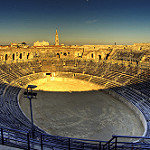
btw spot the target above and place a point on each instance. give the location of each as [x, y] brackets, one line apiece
[100, 69]
[90, 68]
[82, 77]
[127, 55]
[99, 81]
[123, 78]
[145, 75]
[64, 74]
[69, 63]
[143, 87]
[111, 76]
[11, 112]
[132, 71]
[35, 66]
[116, 67]
[140, 100]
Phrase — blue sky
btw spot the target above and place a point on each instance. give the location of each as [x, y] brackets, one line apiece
[78, 21]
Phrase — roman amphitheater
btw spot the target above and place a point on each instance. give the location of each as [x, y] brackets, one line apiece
[88, 97]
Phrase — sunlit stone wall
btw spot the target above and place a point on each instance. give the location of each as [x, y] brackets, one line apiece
[128, 54]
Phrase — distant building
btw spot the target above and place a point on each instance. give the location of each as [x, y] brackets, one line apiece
[43, 43]
[56, 38]
[19, 45]
[4, 46]
[14, 45]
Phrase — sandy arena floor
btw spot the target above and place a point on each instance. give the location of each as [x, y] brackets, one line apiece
[84, 114]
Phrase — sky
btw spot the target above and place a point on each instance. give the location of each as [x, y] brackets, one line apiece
[78, 22]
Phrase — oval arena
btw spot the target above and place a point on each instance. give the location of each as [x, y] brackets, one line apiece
[106, 93]
[78, 109]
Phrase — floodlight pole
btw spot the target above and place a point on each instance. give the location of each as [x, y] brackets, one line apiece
[32, 128]
[30, 97]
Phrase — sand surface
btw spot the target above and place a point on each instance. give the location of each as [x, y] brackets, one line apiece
[84, 114]
[64, 84]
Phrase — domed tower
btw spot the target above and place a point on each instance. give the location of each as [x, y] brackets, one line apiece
[56, 38]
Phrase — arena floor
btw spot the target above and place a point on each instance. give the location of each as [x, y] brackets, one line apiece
[78, 109]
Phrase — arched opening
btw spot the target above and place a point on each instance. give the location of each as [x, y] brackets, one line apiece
[6, 57]
[28, 56]
[20, 56]
[58, 55]
[99, 57]
[13, 57]
[92, 55]
[107, 56]
[65, 54]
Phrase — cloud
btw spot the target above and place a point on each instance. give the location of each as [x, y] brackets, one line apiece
[91, 21]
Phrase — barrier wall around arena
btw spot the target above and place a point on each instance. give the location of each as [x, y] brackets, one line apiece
[131, 106]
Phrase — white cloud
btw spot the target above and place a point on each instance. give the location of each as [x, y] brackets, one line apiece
[91, 21]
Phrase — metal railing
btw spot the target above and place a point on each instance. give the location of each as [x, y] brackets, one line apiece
[25, 140]
[14, 138]
[118, 142]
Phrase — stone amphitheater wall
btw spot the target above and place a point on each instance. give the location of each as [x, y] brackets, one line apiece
[89, 52]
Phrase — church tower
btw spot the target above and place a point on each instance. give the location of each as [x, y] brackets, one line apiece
[56, 38]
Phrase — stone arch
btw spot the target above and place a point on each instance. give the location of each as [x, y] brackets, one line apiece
[65, 54]
[99, 57]
[107, 56]
[20, 56]
[28, 55]
[13, 57]
[6, 57]
[58, 55]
